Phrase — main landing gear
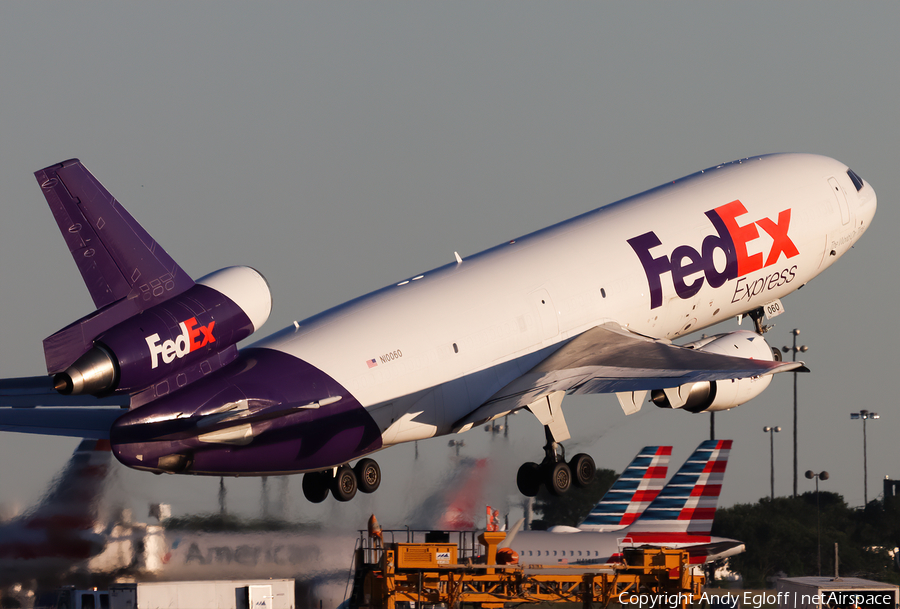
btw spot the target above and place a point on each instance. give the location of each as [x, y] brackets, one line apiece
[342, 482]
[554, 471]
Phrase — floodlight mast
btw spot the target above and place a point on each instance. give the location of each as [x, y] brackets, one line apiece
[794, 349]
[772, 431]
[865, 415]
[820, 476]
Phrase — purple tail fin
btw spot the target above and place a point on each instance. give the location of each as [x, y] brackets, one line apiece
[125, 271]
[116, 256]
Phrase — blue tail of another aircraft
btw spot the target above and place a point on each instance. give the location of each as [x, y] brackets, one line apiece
[632, 492]
[687, 504]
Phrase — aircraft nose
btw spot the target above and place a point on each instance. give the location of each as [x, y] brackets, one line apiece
[866, 200]
[868, 206]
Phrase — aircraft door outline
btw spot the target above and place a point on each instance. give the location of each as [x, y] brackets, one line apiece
[841, 197]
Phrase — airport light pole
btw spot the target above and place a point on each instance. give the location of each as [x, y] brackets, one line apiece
[456, 443]
[865, 415]
[794, 349]
[820, 476]
[772, 431]
[222, 495]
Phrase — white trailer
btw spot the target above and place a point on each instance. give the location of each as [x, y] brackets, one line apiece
[822, 592]
[220, 594]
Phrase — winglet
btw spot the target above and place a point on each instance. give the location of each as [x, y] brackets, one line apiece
[507, 542]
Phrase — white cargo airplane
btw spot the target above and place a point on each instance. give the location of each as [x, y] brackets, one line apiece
[586, 306]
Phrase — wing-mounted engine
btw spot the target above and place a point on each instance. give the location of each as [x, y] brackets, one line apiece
[709, 396]
[173, 343]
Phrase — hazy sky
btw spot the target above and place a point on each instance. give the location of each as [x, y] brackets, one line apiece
[340, 147]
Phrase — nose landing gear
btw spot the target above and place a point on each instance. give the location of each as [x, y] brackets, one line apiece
[342, 482]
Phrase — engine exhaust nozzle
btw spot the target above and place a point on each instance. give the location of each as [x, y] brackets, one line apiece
[94, 372]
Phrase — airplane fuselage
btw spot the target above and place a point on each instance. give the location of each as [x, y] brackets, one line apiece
[594, 548]
[415, 359]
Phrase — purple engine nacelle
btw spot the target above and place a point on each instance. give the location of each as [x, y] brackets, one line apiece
[174, 343]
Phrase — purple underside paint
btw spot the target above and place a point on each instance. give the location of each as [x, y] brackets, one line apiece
[285, 439]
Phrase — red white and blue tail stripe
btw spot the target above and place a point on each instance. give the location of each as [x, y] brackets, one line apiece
[632, 492]
[687, 504]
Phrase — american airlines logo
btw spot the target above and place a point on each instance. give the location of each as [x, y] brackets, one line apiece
[685, 263]
[192, 337]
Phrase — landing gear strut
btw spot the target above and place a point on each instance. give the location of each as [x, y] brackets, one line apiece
[757, 316]
[554, 472]
[342, 482]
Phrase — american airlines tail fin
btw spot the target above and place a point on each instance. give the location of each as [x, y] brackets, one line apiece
[687, 504]
[632, 492]
[71, 502]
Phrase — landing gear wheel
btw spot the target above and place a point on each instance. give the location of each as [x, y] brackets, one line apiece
[583, 468]
[528, 479]
[559, 478]
[315, 486]
[343, 485]
[368, 475]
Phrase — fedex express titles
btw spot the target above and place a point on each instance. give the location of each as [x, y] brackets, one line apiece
[685, 263]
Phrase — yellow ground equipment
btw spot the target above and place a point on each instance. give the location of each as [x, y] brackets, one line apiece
[449, 574]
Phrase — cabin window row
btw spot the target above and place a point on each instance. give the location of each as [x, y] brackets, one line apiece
[562, 553]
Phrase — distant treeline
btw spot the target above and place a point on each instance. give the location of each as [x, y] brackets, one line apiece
[780, 535]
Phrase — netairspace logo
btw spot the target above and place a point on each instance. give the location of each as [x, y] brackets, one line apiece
[757, 600]
[686, 264]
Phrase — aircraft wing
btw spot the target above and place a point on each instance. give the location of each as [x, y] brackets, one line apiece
[612, 359]
[24, 408]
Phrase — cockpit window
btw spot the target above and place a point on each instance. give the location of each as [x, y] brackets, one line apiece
[857, 181]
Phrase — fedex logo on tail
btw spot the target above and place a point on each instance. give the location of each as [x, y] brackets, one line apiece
[192, 337]
[689, 268]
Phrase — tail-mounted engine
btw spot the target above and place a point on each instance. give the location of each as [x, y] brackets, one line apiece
[175, 342]
[710, 396]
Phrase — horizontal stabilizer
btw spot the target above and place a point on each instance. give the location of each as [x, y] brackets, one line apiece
[31, 391]
[92, 423]
[21, 409]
